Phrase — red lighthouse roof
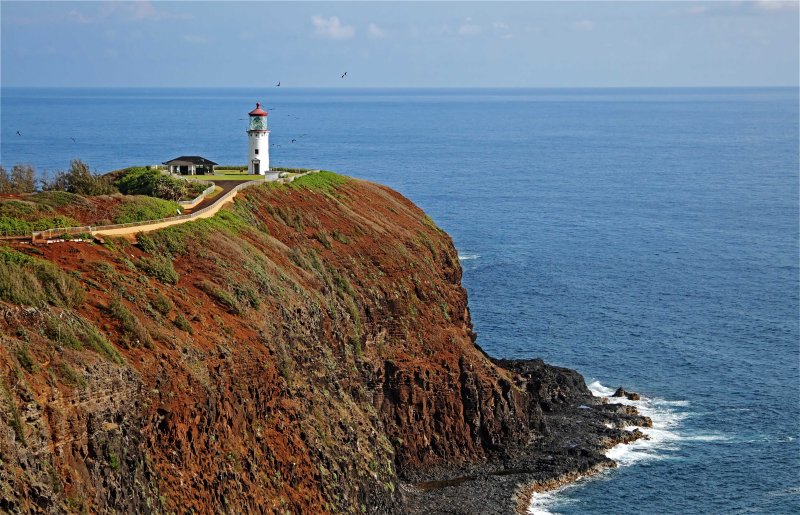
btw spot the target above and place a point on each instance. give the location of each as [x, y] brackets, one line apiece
[258, 111]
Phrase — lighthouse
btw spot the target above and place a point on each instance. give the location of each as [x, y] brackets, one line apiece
[258, 142]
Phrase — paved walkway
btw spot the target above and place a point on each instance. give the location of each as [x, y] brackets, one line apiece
[206, 209]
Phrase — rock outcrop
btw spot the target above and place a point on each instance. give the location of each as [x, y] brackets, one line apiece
[308, 350]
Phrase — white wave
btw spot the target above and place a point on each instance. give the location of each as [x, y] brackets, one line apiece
[662, 437]
[467, 257]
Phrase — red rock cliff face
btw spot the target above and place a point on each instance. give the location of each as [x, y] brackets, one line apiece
[298, 353]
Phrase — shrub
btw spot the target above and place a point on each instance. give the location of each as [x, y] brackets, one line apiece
[183, 324]
[25, 359]
[322, 237]
[70, 377]
[341, 238]
[144, 181]
[162, 304]
[223, 297]
[172, 240]
[80, 180]
[134, 332]
[33, 282]
[159, 267]
[322, 182]
[142, 208]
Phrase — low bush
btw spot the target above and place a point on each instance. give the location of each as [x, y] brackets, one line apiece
[142, 208]
[134, 332]
[145, 181]
[162, 304]
[226, 299]
[322, 182]
[34, 282]
[172, 241]
[159, 267]
[77, 333]
[183, 324]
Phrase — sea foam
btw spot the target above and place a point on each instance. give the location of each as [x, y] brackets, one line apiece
[664, 436]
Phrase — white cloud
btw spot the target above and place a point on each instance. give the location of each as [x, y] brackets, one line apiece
[376, 32]
[582, 25]
[142, 10]
[773, 5]
[331, 28]
[501, 26]
[469, 28]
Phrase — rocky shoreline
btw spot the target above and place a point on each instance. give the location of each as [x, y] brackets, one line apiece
[576, 430]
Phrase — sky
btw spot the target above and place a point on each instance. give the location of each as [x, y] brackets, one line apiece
[399, 44]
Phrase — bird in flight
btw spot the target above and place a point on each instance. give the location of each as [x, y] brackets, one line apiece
[73, 140]
[344, 75]
[278, 84]
[293, 140]
[18, 134]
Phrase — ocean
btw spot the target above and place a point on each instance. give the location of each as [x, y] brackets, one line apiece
[645, 237]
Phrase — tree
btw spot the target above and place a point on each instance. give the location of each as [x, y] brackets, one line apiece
[22, 179]
[79, 179]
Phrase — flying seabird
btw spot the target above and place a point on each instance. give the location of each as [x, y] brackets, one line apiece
[278, 84]
[18, 134]
[344, 75]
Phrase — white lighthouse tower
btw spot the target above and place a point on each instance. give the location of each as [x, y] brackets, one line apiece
[258, 142]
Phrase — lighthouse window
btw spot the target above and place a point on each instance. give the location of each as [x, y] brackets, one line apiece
[256, 151]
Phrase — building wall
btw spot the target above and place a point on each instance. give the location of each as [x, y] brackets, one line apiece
[258, 140]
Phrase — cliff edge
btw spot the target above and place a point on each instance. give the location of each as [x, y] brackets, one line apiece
[307, 350]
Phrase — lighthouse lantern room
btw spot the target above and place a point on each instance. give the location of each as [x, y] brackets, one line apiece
[258, 142]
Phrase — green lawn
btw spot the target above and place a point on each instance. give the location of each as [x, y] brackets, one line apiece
[228, 177]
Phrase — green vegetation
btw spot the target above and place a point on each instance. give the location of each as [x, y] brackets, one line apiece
[22, 179]
[171, 241]
[77, 333]
[289, 170]
[35, 282]
[15, 420]
[142, 208]
[322, 182]
[56, 198]
[25, 359]
[21, 217]
[69, 376]
[226, 299]
[134, 332]
[159, 267]
[146, 181]
[79, 179]
[341, 238]
[231, 168]
[233, 176]
[183, 324]
[16, 226]
[162, 304]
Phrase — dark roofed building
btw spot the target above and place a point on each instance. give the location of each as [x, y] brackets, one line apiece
[190, 165]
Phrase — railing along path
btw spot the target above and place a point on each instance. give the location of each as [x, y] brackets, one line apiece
[152, 225]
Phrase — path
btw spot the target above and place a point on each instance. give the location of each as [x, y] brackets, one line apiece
[206, 209]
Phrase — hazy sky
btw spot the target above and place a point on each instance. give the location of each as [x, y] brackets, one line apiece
[529, 44]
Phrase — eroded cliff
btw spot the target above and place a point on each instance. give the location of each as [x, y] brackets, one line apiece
[307, 350]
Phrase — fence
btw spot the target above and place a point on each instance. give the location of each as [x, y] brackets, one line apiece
[88, 229]
[199, 198]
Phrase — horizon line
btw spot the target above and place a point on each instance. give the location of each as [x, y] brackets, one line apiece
[752, 86]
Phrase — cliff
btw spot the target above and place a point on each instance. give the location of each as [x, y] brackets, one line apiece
[307, 350]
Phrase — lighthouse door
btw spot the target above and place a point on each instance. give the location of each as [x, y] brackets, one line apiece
[256, 166]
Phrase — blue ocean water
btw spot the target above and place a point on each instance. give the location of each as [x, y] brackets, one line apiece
[645, 237]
